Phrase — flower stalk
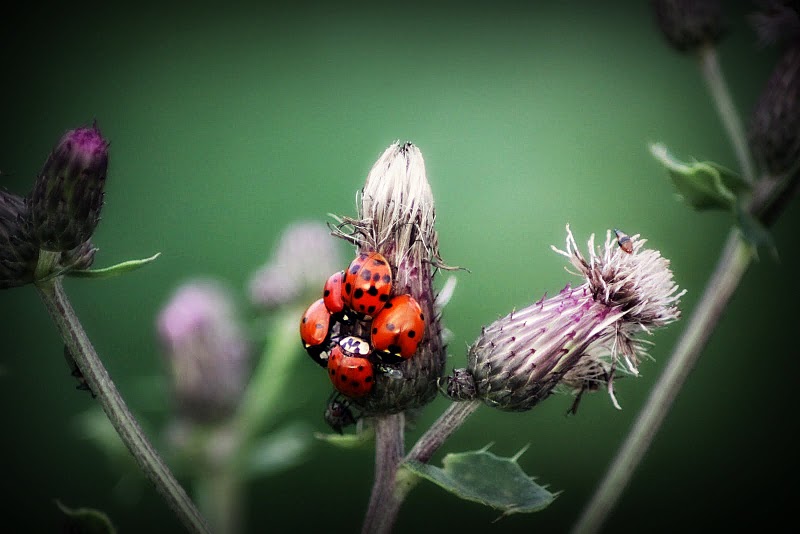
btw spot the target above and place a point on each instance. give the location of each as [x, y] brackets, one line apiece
[90, 365]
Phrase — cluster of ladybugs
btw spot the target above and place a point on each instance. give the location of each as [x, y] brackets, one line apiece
[357, 299]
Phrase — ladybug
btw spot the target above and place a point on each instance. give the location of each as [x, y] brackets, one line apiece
[338, 413]
[315, 331]
[332, 293]
[367, 283]
[624, 241]
[349, 369]
[398, 329]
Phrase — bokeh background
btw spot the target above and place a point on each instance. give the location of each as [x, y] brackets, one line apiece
[229, 122]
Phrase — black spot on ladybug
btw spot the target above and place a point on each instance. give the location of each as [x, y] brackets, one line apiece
[374, 330]
[355, 383]
[363, 256]
[366, 274]
[326, 292]
[368, 379]
[376, 277]
[358, 293]
[372, 291]
[378, 261]
[390, 327]
[342, 378]
[387, 278]
[305, 319]
[383, 298]
[388, 305]
[354, 269]
[348, 288]
[362, 308]
[333, 373]
[370, 310]
[360, 367]
[412, 334]
[422, 316]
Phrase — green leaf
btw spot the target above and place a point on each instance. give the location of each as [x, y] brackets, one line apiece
[347, 441]
[279, 450]
[85, 520]
[492, 480]
[114, 270]
[703, 185]
[755, 233]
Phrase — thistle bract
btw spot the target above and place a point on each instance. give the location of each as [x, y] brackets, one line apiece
[18, 253]
[68, 194]
[578, 337]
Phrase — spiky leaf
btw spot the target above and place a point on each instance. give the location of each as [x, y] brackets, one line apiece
[489, 479]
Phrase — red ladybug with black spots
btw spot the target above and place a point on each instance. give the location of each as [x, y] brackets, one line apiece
[398, 329]
[367, 284]
[315, 331]
[349, 369]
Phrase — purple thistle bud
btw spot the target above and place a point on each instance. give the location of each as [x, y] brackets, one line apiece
[68, 194]
[774, 130]
[689, 24]
[18, 253]
[303, 259]
[396, 219]
[578, 337]
[206, 351]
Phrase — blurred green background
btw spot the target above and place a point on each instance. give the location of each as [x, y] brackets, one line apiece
[228, 122]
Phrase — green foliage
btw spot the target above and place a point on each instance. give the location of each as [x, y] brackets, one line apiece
[85, 521]
[114, 270]
[278, 450]
[489, 479]
[703, 185]
[347, 441]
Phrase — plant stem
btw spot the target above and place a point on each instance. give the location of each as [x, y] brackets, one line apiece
[731, 267]
[444, 427]
[87, 360]
[384, 502]
[712, 74]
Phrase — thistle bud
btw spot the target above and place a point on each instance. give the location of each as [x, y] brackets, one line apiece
[581, 335]
[396, 219]
[689, 24]
[774, 131]
[18, 253]
[206, 351]
[303, 259]
[68, 194]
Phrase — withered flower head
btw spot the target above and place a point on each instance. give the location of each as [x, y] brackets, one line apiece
[579, 337]
[689, 24]
[396, 218]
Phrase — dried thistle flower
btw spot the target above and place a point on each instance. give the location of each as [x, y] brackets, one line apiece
[18, 253]
[774, 130]
[68, 194]
[396, 218]
[303, 259]
[579, 337]
[206, 351]
[689, 24]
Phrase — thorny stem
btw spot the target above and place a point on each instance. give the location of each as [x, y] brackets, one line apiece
[729, 271]
[89, 363]
[444, 427]
[712, 74]
[385, 501]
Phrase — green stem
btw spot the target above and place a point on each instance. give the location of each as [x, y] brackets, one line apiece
[80, 347]
[385, 501]
[729, 271]
[444, 427]
[712, 74]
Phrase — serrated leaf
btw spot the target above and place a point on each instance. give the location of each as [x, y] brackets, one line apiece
[85, 520]
[483, 477]
[703, 185]
[754, 233]
[114, 270]
[279, 450]
[347, 441]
